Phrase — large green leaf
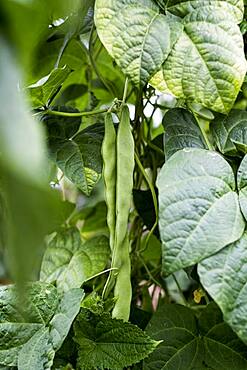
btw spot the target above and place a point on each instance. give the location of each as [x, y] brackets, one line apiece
[18, 323]
[230, 132]
[207, 64]
[201, 51]
[198, 207]
[104, 342]
[60, 250]
[12, 337]
[242, 186]
[32, 329]
[80, 158]
[181, 131]
[183, 7]
[42, 92]
[90, 260]
[70, 262]
[224, 277]
[130, 30]
[37, 353]
[188, 343]
[61, 127]
[66, 312]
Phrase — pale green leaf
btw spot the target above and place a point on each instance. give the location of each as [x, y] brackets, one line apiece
[37, 353]
[109, 343]
[183, 7]
[90, 260]
[207, 63]
[191, 344]
[201, 52]
[230, 132]
[66, 312]
[242, 186]
[224, 277]
[199, 212]
[60, 250]
[130, 30]
[20, 320]
[12, 337]
[42, 92]
[70, 262]
[25, 155]
[181, 131]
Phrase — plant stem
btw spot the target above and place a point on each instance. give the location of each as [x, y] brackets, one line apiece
[92, 61]
[151, 187]
[205, 136]
[180, 290]
[79, 114]
[125, 90]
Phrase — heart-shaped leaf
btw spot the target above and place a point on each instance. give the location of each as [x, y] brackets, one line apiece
[70, 262]
[192, 344]
[181, 131]
[230, 132]
[198, 207]
[131, 32]
[224, 277]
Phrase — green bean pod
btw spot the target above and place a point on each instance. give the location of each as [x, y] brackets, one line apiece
[109, 175]
[124, 187]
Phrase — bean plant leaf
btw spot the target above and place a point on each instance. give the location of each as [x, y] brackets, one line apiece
[201, 52]
[131, 40]
[242, 186]
[181, 131]
[19, 322]
[198, 207]
[59, 252]
[182, 7]
[104, 342]
[37, 353]
[13, 335]
[188, 343]
[31, 330]
[70, 262]
[203, 67]
[45, 89]
[230, 132]
[224, 277]
[66, 312]
[59, 127]
[90, 260]
[80, 158]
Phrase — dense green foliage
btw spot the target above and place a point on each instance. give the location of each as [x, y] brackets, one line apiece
[123, 187]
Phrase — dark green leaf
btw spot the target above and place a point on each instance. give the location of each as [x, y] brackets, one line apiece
[109, 343]
[80, 158]
[230, 132]
[181, 131]
[43, 91]
[59, 127]
[189, 344]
